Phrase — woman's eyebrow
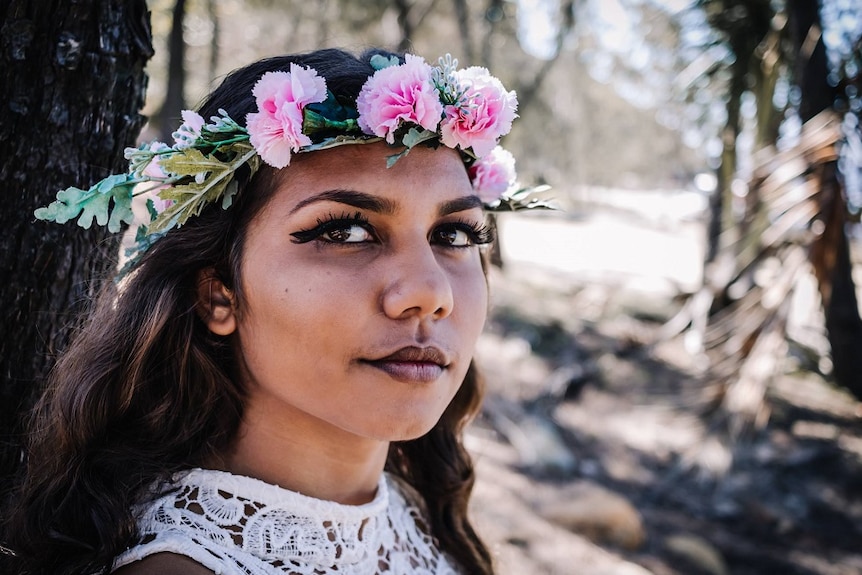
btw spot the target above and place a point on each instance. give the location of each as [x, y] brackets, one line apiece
[353, 198]
[459, 205]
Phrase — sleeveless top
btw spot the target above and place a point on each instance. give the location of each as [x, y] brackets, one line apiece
[235, 525]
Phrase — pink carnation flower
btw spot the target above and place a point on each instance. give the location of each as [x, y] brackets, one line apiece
[484, 114]
[399, 94]
[276, 129]
[493, 174]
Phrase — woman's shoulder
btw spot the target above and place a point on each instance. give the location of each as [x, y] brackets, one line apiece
[164, 564]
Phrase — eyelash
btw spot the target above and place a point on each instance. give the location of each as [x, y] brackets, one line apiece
[331, 223]
[478, 233]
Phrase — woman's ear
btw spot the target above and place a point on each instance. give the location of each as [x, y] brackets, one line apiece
[216, 304]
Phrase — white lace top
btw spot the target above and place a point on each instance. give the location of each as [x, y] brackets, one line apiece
[232, 524]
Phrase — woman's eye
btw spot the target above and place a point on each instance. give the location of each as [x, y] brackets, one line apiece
[463, 235]
[343, 230]
[348, 234]
[454, 237]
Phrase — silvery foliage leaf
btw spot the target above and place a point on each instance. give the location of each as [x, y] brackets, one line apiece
[445, 81]
[108, 201]
[378, 61]
[223, 124]
[342, 140]
[522, 199]
[143, 241]
[411, 138]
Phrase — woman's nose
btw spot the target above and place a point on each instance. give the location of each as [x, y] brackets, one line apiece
[417, 286]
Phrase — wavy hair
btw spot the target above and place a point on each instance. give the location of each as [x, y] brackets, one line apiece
[145, 389]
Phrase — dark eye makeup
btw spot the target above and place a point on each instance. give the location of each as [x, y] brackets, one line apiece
[333, 226]
[474, 234]
[336, 229]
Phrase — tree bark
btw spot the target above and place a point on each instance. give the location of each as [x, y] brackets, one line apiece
[72, 83]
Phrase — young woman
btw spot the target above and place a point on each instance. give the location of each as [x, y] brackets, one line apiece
[280, 381]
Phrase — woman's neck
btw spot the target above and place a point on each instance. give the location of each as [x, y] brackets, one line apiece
[306, 455]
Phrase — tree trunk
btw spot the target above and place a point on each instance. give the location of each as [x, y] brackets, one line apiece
[462, 14]
[830, 258]
[175, 100]
[721, 218]
[830, 254]
[72, 82]
[405, 24]
[212, 10]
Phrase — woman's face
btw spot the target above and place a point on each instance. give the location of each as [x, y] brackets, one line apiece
[362, 291]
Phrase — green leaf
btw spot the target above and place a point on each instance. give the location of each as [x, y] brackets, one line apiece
[391, 160]
[332, 109]
[312, 122]
[107, 185]
[151, 209]
[97, 207]
[191, 197]
[417, 136]
[65, 207]
[342, 140]
[93, 204]
[523, 199]
[411, 138]
[192, 162]
[378, 61]
[122, 211]
[229, 192]
[135, 252]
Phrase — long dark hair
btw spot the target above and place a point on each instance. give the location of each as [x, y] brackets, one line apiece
[145, 389]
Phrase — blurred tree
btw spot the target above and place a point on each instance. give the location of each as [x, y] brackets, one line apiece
[175, 102]
[212, 11]
[792, 209]
[830, 252]
[72, 77]
[744, 25]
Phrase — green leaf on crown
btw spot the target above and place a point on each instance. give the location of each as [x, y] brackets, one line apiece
[411, 138]
[312, 122]
[94, 203]
[191, 162]
[523, 199]
[205, 180]
[378, 61]
[417, 136]
[342, 140]
[332, 109]
[135, 252]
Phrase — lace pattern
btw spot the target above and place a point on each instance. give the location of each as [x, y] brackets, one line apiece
[239, 525]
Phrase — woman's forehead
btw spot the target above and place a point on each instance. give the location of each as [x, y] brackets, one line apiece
[424, 171]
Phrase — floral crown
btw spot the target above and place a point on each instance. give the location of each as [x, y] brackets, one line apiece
[404, 104]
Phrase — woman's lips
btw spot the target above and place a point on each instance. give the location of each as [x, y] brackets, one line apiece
[412, 364]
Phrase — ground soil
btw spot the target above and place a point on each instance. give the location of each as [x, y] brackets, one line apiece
[600, 449]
